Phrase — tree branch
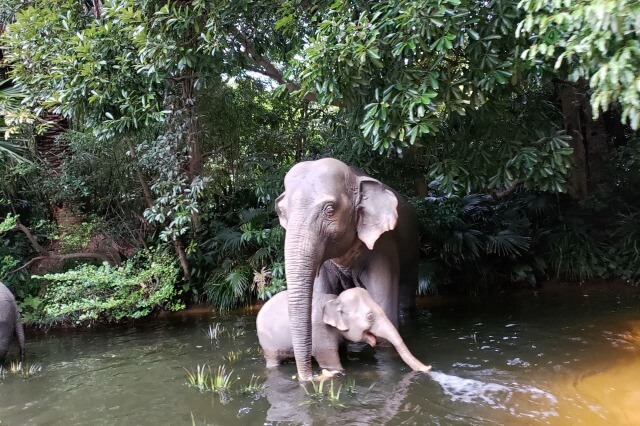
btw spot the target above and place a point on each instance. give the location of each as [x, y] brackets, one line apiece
[32, 239]
[45, 254]
[50, 255]
[267, 68]
[502, 194]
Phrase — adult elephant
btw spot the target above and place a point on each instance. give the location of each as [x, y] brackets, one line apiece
[344, 229]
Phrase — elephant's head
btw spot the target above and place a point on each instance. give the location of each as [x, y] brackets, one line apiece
[327, 209]
[360, 319]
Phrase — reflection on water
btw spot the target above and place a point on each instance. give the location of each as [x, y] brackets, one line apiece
[534, 359]
[616, 389]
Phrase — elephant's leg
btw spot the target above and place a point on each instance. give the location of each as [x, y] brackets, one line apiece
[19, 332]
[271, 359]
[4, 347]
[329, 359]
[274, 358]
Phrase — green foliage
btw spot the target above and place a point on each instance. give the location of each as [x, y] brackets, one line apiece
[8, 223]
[242, 273]
[12, 249]
[574, 252]
[76, 237]
[91, 173]
[625, 256]
[81, 67]
[90, 293]
[593, 40]
[474, 242]
[16, 122]
[7, 264]
[404, 67]
[444, 87]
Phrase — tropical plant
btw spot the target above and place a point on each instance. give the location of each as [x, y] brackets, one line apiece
[473, 241]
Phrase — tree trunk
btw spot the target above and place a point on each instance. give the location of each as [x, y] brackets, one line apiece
[196, 162]
[571, 111]
[597, 146]
[148, 199]
[146, 190]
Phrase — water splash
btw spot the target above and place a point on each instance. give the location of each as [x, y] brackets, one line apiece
[518, 400]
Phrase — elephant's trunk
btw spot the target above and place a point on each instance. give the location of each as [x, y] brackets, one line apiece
[385, 329]
[302, 263]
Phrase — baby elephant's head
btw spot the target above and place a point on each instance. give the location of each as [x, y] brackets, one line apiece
[360, 319]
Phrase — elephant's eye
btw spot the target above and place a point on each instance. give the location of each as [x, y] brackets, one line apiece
[329, 209]
[370, 317]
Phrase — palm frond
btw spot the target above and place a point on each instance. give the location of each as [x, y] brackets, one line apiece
[230, 239]
[248, 215]
[12, 152]
[229, 287]
[507, 243]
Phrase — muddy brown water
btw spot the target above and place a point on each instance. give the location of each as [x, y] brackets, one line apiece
[546, 357]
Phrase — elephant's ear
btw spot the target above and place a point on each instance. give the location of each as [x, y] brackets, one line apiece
[377, 211]
[332, 315]
[281, 210]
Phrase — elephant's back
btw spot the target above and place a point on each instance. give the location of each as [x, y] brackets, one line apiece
[272, 323]
[8, 307]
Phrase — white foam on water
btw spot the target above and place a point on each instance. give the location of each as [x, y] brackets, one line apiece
[508, 397]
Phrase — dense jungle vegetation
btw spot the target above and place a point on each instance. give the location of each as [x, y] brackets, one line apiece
[145, 141]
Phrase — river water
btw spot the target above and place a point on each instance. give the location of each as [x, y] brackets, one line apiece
[544, 357]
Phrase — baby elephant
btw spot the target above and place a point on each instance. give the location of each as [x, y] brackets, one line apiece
[10, 323]
[353, 315]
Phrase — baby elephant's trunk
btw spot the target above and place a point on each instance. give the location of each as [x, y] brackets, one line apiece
[386, 330]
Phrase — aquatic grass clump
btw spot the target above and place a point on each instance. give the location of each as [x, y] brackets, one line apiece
[31, 370]
[351, 387]
[221, 383]
[221, 380]
[253, 386]
[214, 331]
[232, 356]
[206, 380]
[19, 369]
[15, 367]
[199, 378]
[319, 395]
[236, 333]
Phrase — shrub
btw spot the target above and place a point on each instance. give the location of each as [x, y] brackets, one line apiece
[91, 293]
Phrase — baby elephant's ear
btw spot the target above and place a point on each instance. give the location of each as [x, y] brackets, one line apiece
[332, 315]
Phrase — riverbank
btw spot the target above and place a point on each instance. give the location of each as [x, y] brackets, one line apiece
[551, 289]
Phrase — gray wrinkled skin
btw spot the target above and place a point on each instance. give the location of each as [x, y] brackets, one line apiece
[352, 316]
[10, 323]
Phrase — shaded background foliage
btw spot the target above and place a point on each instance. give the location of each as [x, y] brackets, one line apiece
[138, 125]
